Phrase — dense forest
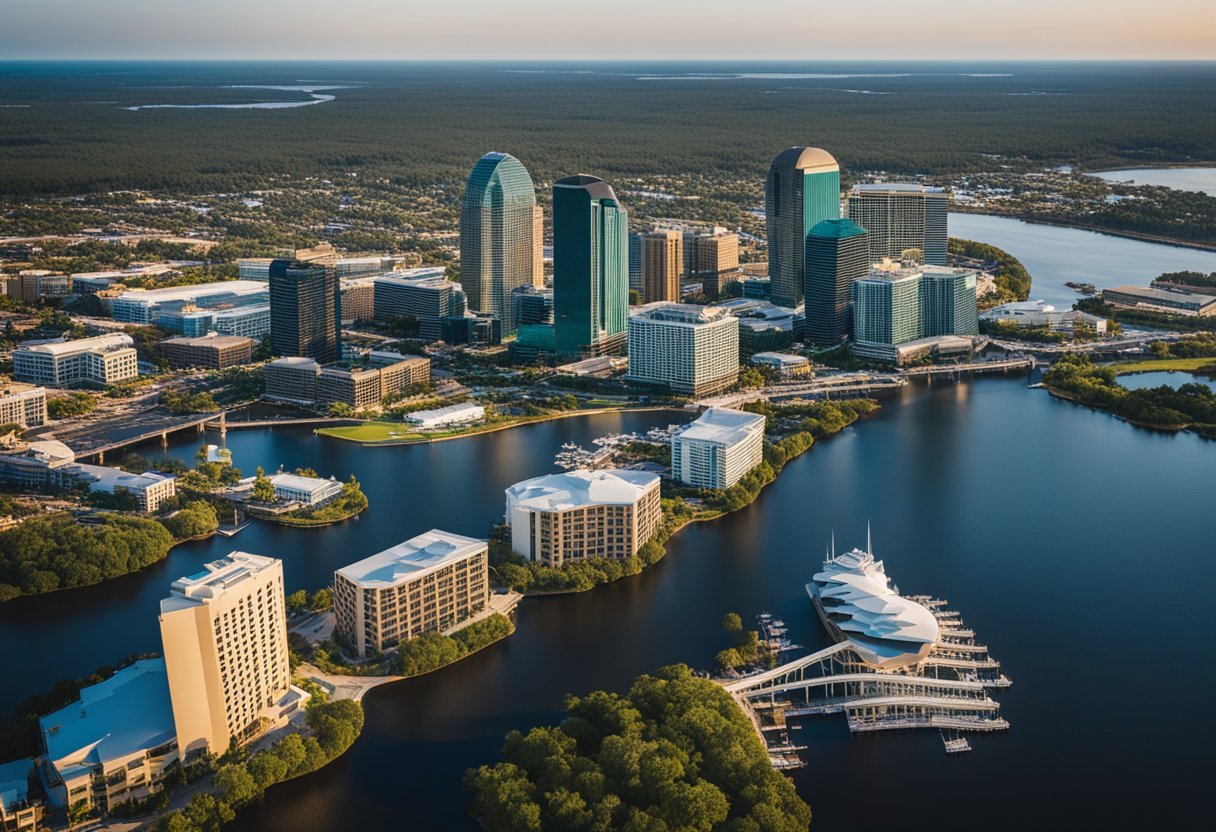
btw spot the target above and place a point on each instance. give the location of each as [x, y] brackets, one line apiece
[66, 131]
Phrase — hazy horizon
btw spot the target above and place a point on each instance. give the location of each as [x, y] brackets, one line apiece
[541, 30]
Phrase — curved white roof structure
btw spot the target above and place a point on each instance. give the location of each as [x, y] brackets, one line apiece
[555, 492]
[853, 597]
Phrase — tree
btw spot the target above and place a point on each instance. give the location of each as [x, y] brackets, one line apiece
[339, 410]
[322, 599]
[296, 601]
[195, 519]
[263, 488]
[237, 786]
[732, 622]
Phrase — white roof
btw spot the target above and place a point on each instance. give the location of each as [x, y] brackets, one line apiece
[898, 187]
[423, 553]
[295, 361]
[885, 628]
[450, 410]
[113, 341]
[298, 483]
[171, 293]
[780, 358]
[554, 492]
[215, 579]
[722, 425]
[108, 478]
[687, 314]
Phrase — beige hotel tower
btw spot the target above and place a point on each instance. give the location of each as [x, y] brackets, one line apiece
[225, 642]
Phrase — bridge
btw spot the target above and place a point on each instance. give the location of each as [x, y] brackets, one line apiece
[949, 689]
[972, 367]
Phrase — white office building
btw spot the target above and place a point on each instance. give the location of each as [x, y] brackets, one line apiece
[105, 359]
[149, 489]
[690, 350]
[311, 491]
[1037, 314]
[145, 305]
[718, 448]
[455, 414]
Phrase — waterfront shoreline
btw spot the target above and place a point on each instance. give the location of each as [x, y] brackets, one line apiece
[1111, 232]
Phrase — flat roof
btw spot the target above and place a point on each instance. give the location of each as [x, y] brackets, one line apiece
[463, 407]
[681, 313]
[897, 187]
[215, 579]
[722, 425]
[581, 488]
[1149, 293]
[110, 477]
[780, 358]
[295, 481]
[297, 361]
[213, 339]
[128, 713]
[425, 552]
[169, 293]
[14, 782]
[111, 341]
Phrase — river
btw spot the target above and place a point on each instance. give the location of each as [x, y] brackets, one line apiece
[1055, 254]
[1202, 180]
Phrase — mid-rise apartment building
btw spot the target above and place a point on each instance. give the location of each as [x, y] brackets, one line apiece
[689, 350]
[711, 259]
[718, 448]
[213, 351]
[224, 632]
[429, 583]
[662, 263]
[104, 359]
[583, 514]
[23, 405]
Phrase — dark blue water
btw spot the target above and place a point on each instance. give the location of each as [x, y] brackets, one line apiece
[1076, 545]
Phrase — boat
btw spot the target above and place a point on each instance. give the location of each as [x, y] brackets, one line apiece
[857, 603]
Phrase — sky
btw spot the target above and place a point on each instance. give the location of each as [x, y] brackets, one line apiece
[811, 30]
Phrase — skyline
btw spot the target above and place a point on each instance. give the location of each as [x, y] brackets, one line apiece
[533, 30]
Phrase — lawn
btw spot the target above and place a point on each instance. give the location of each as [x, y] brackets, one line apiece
[374, 432]
[1155, 365]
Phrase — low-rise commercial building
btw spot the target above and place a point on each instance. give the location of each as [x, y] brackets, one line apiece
[429, 583]
[1037, 314]
[35, 465]
[241, 321]
[143, 306]
[718, 448]
[454, 414]
[213, 351]
[115, 743]
[19, 810]
[310, 491]
[104, 359]
[149, 489]
[783, 364]
[292, 379]
[224, 632]
[583, 514]
[1169, 301]
[689, 350]
[304, 381]
[21, 404]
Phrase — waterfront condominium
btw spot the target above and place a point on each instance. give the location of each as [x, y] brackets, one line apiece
[948, 302]
[662, 262]
[305, 307]
[224, 632]
[717, 449]
[590, 267]
[690, 350]
[886, 307]
[901, 216]
[802, 190]
[583, 514]
[429, 583]
[836, 255]
[498, 242]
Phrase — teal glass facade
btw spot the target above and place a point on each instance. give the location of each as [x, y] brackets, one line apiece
[802, 190]
[948, 302]
[496, 235]
[886, 310]
[590, 267]
[837, 254]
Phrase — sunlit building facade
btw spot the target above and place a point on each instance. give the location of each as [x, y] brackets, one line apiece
[802, 190]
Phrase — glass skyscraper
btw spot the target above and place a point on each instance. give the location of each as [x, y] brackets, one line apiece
[886, 307]
[836, 255]
[948, 302]
[590, 267]
[899, 217]
[305, 309]
[802, 190]
[498, 245]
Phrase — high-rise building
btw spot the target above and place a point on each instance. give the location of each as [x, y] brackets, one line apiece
[637, 247]
[836, 255]
[590, 267]
[662, 262]
[533, 305]
[717, 449]
[305, 307]
[901, 216]
[498, 242]
[429, 583]
[689, 350]
[583, 514]
[225, 640]
[711, 259]
[802, 190]
[538, 247]
[428, 299]
[886, 307]
[948, 302]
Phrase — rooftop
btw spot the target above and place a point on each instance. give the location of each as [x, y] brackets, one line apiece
[681, 313]
[897, 187]
[722, 425]
[580, 488]
[836, 229]
[171, 293]
[782, 358]
[211, 339]
[595, 187]
[105, 343]
[128, 713]
[297, 361]
[216, 577]
[109, 478]
[1168, 295]
[14, 782]
[420, 554]
[298, 483]
[809, 159]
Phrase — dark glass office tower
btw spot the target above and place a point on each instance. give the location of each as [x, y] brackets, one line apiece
[305, 309]
[590, 267]
[836, 255]
[802, 190]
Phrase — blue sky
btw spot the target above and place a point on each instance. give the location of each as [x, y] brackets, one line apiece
[608, 29]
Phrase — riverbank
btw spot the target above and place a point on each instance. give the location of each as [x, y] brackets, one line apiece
[366, 434]
[1143, 237]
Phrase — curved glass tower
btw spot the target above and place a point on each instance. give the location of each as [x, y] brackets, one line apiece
[590, 267]
[497, 235]
[802, 190]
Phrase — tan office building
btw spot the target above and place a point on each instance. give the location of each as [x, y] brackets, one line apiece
[583, 514]
[21, 404]
[429, 583]
[225, 640]
[213, 352]
[662, 262]
[711, 259]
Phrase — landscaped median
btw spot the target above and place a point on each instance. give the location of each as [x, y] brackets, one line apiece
[799, 425]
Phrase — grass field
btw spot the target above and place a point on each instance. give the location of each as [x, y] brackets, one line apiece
[377, 432]
[1160, 365]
